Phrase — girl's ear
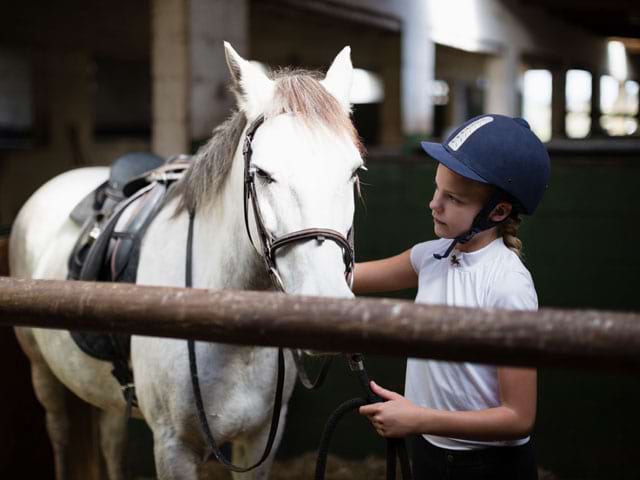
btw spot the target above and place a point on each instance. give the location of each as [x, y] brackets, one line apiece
[501, 212]
[253, 89]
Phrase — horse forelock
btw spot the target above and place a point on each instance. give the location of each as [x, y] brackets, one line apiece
[300, 92]
[297, 92]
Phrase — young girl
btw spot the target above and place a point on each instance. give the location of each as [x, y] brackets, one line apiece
[472, 420]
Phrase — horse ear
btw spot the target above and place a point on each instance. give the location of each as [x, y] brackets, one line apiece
[339, 78]
[253, 89]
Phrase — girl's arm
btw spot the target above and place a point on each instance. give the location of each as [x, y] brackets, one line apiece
[513, 419]
[389, 274]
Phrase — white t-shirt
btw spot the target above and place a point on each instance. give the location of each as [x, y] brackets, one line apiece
[492, 277]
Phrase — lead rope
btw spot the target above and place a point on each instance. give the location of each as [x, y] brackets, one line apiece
[395, 446]
[129, 394]
[193, 365]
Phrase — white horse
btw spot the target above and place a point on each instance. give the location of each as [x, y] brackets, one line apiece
[306, 155]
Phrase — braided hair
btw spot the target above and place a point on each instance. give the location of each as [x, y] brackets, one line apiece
[508, 230]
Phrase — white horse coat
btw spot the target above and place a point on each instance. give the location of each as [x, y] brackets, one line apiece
[306, 154]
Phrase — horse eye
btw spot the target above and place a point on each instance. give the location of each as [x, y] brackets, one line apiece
[264, 175]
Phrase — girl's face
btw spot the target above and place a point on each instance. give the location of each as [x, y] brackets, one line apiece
[456, 202]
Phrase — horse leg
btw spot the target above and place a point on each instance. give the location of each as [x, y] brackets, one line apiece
[174, 458]
[113, 442]
[51, 394]
[248, 450]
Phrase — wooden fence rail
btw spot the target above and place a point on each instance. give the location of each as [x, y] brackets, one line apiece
[550, 337]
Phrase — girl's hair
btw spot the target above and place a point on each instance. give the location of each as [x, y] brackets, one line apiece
[508, 230]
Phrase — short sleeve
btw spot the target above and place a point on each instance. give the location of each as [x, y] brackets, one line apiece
[423, 252]
[514, 291]
[415, 257]
[418, 254]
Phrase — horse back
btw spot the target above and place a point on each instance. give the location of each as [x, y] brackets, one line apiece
[43, 235]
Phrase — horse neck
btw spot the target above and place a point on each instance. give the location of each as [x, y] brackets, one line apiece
[220, 235]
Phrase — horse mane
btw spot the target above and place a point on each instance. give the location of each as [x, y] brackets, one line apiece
[296, 91]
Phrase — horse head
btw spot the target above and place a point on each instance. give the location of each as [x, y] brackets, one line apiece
[303, 163]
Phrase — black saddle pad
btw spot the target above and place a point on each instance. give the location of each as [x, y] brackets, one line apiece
[103, 346]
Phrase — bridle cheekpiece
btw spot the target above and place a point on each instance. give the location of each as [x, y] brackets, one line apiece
[270, 243]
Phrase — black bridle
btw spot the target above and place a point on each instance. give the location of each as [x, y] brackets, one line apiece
[270, 245]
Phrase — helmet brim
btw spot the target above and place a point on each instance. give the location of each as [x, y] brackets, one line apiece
[441, 155]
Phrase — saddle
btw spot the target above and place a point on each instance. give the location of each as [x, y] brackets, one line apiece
[104, 253]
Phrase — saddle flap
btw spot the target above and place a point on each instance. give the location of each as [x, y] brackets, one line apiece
[124, 169]
[87, 207]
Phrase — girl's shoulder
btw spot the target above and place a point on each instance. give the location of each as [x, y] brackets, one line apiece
[422, 253]
[511, 286]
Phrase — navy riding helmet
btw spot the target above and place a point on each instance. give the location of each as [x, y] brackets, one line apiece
[500, 151]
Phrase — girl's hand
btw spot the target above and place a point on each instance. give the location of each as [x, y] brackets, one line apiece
[397, 417]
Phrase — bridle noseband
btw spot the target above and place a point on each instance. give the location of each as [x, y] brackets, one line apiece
[270, 243]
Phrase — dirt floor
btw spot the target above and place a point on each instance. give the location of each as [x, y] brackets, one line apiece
[303, 468]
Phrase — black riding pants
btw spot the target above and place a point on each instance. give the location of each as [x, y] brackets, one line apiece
[493, 463]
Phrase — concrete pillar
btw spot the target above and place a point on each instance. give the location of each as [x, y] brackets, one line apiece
[459, 99]
[190, 78]
[559, 102]
[502, 80]
[390, 123]
[418, 67]
[170, 76]
[211, 23]
[596, 113]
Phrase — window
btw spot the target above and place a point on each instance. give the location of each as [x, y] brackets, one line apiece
[536, 102]
[619, 105]
[367, 96]
[367, 87]
[578, 103]
[619, 96]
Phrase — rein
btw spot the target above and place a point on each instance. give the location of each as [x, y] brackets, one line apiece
[216, 452]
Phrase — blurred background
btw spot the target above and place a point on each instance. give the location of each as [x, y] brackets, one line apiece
[84, 81]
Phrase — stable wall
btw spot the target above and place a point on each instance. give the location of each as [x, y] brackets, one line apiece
[62, 41]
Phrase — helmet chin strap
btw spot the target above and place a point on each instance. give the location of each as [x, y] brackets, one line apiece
[480, 223]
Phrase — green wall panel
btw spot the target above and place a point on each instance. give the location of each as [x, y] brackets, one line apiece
[580, 249]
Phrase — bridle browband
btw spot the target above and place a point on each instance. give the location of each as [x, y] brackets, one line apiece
[270, 243]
